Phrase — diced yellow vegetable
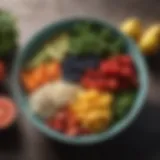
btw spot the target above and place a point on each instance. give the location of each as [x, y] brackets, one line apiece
[93, 109]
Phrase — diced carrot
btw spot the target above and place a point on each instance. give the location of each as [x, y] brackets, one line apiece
[28, 82]
[38, 74]
[52, 70]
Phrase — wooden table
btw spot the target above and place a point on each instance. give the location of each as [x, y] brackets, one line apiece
[140, 141]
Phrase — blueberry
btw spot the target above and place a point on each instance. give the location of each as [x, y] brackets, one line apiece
[73, 67]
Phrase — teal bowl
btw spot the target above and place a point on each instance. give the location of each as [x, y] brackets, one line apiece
[21, 99]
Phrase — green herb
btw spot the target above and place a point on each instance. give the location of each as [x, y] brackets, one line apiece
[88, 40]
[123, 103]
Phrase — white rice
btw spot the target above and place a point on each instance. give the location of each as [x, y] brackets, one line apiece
[52, 96]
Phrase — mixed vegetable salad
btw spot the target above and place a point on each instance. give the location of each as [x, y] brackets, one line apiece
[81, 81]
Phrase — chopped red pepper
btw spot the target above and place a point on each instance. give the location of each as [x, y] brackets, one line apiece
[110, 73]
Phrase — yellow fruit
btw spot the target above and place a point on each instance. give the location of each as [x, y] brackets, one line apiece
[93, 109]
[154, 30]
[92, 94]
[150, 41]
[81, 95]
[132, 27]
[106, 99]
[97, 120]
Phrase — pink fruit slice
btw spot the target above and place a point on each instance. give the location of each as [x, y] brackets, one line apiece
[7, 112]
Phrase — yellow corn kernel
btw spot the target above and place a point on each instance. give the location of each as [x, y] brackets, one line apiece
[95, 103]
[92, 94]
[107, 99]
[93, 109]
[81, 95]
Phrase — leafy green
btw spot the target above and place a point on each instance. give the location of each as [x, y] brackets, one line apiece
[123, 103]
[87, 40]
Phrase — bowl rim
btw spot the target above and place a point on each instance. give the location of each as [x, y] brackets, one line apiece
[91, 139]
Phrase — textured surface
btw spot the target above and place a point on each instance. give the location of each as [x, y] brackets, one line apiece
[141, 141]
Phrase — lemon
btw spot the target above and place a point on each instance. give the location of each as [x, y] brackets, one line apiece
[132, 27]
[150, 40]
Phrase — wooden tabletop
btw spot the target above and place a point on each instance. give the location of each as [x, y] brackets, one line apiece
[24, 142]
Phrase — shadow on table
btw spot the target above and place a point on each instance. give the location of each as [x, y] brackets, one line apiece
[10, 140]
[140, 141]
[153, 63]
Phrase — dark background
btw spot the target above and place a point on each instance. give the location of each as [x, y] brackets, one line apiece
[141, 141]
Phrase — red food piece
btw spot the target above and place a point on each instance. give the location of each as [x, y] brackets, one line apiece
[127, 72]
[2, 71]
[111, 74]
[92, 73]
[110, 68]
[134, 81]
[124, 85]
[7, 112]
[73, 131]
[58, 125]
[58, 121]
[87, 82]
[112, 84]
[71, 120]
[61, 116]
[125, 60]
[65, 121]
[100, 84]
[84, 131]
